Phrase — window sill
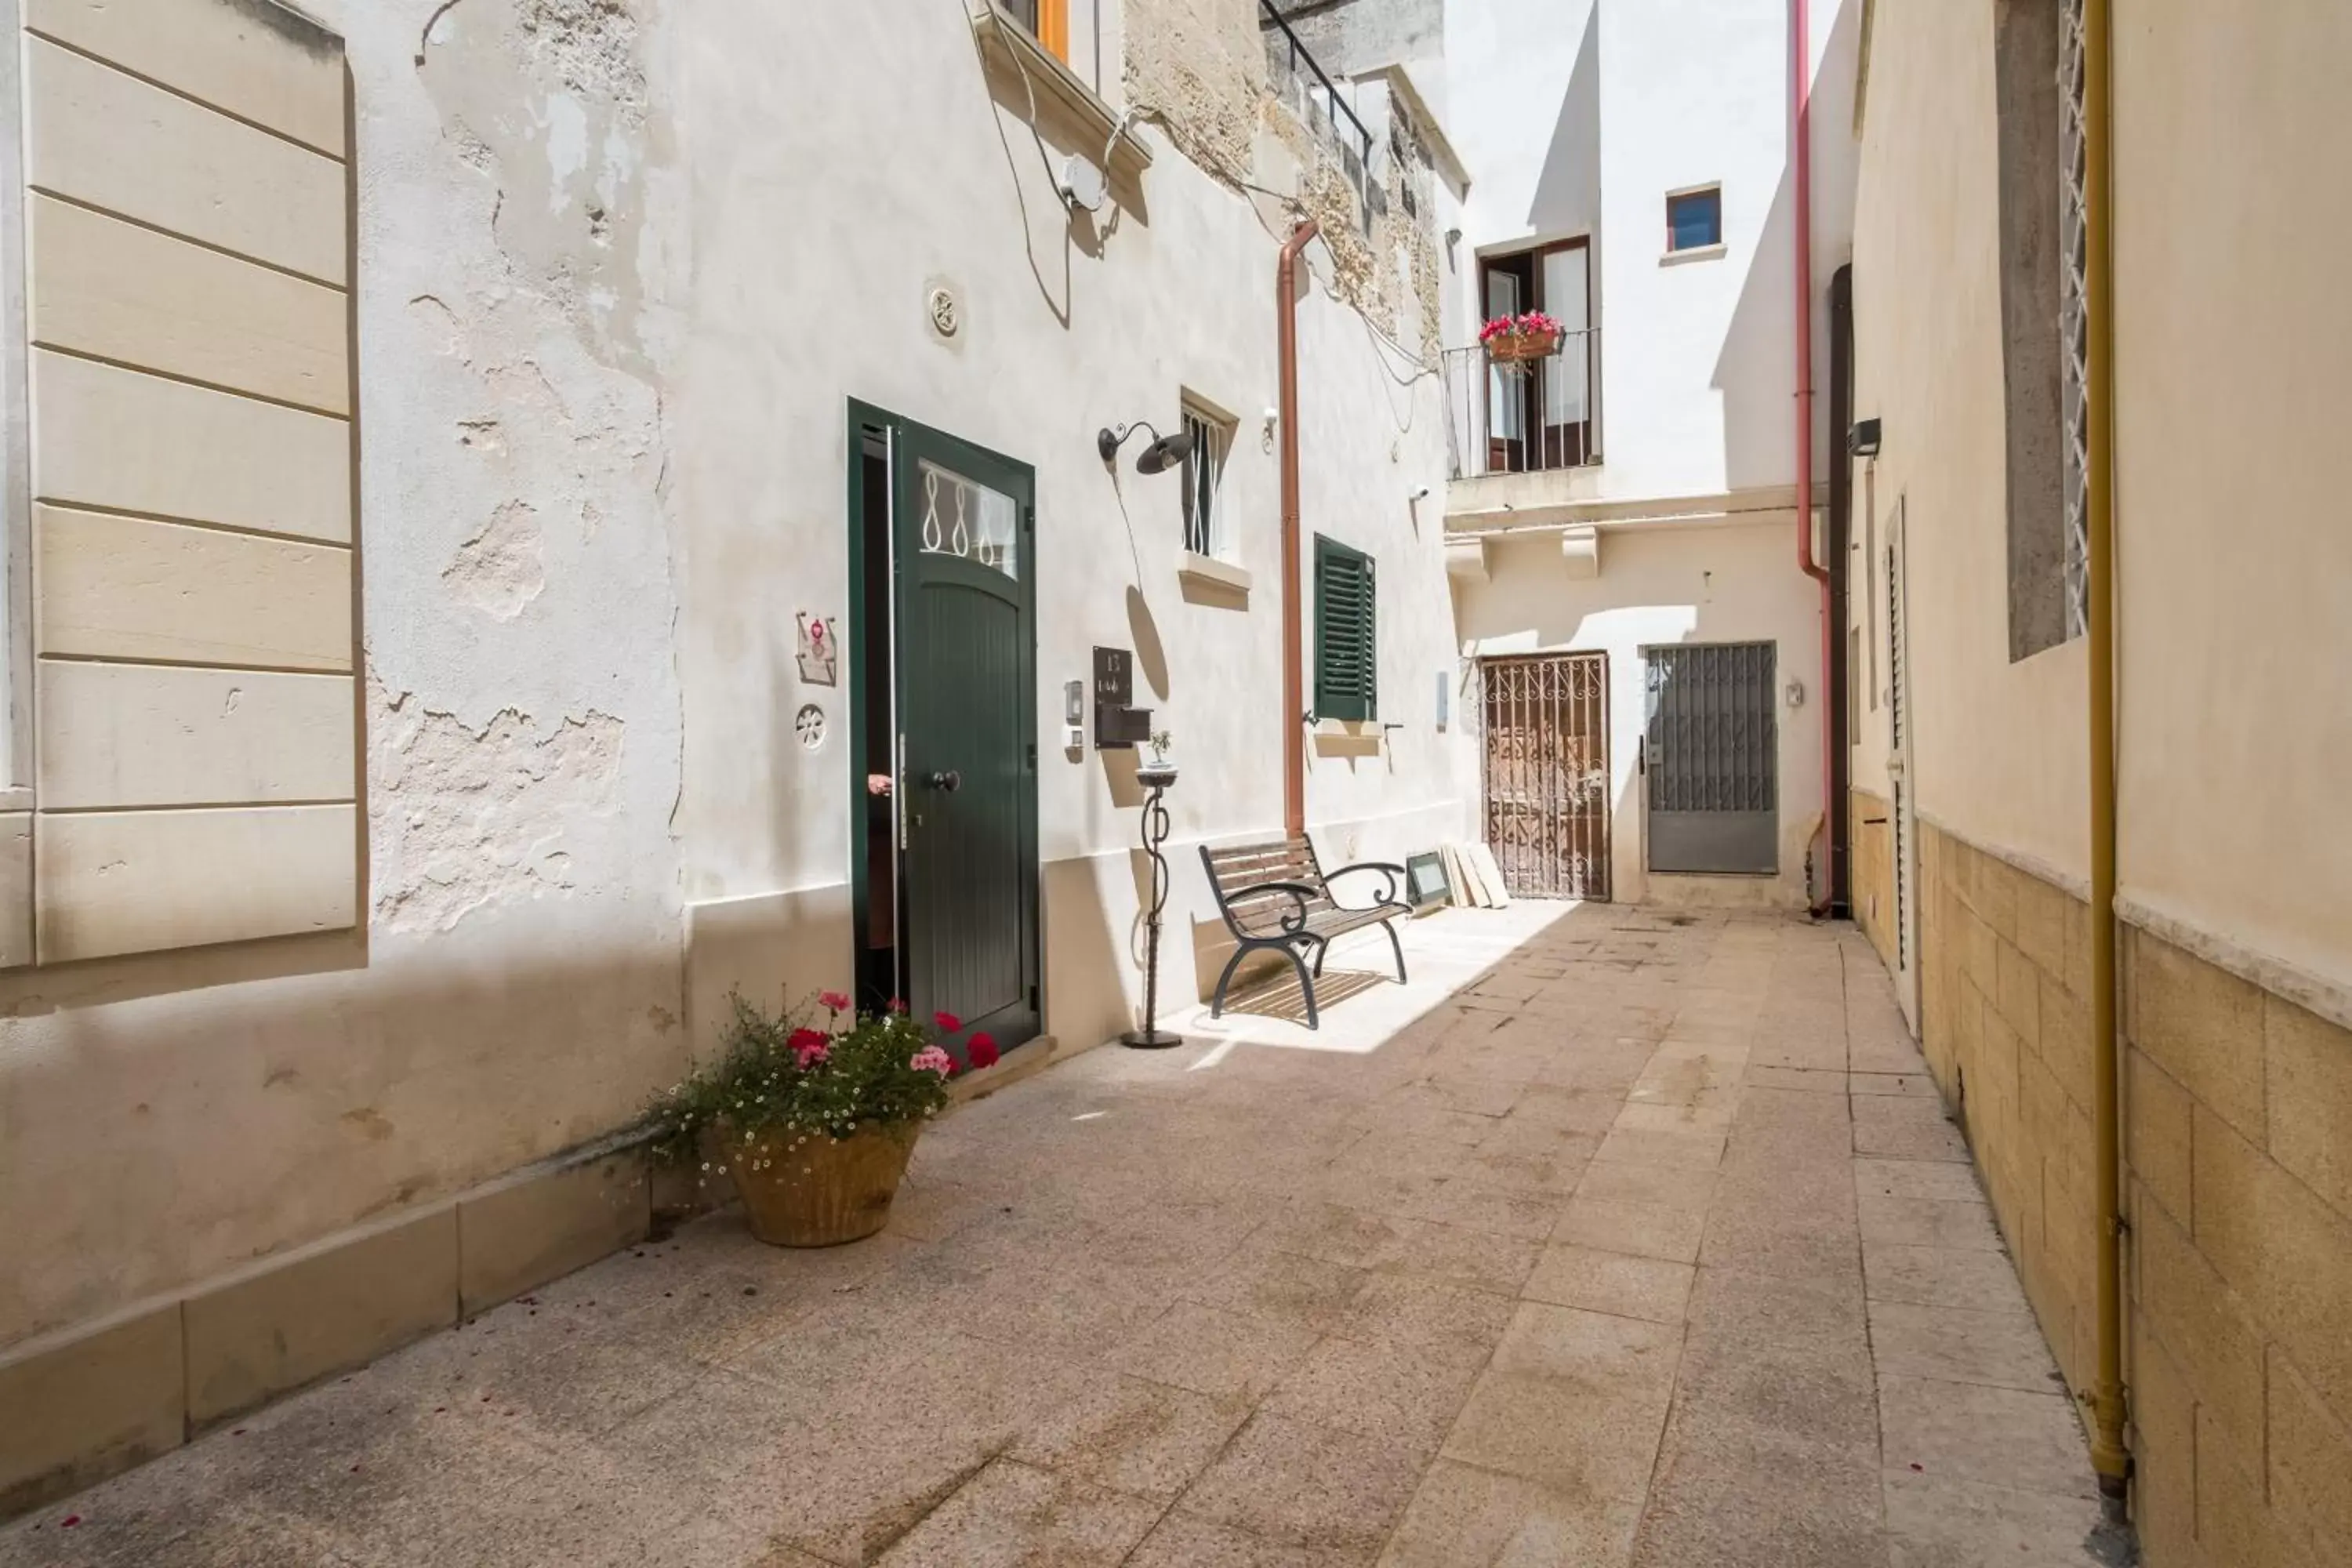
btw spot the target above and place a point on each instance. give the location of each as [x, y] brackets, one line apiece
[1208, 572]
[1696, 253]
[1056, 83]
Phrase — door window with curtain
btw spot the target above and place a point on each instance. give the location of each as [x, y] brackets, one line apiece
[1565, 300]
[1503, 411]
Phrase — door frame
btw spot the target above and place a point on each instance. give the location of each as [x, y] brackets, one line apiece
[1535, 439]
[1603, 847]
[863, 417]
[1648, 652]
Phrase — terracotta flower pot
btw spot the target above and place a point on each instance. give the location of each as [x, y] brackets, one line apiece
[1513, 348]
[820, 1191]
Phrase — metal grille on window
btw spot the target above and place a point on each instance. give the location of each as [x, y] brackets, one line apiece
[969, 520]
[2074, 318]
[1893, 650]
[1202, 465]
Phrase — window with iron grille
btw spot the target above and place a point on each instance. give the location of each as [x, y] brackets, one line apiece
[1205, 469]
[1347, 646]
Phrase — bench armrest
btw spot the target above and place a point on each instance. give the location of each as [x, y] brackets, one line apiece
[1292, 922]
[1393, 872]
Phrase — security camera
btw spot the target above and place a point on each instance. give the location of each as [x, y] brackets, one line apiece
[1420, 492]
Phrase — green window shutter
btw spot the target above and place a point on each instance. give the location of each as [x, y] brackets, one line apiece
[1347, 651]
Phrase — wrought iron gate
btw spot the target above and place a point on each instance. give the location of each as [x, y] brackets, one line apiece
[1546, 784]
[1712, 759]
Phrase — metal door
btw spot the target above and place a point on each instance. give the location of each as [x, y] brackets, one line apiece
[1546, 774]
[967, 783]
[1712, 759]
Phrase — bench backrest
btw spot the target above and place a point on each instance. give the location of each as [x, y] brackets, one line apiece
[1242, 865]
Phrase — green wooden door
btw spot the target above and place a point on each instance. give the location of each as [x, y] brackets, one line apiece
[964, 524]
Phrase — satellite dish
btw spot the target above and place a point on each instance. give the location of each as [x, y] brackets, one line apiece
[1083, 184]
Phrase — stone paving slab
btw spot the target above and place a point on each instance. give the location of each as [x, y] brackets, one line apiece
[1614, 1238]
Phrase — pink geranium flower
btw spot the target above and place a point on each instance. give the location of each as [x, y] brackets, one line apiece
[834, 1002]
[810, 1046]
[931, 1058]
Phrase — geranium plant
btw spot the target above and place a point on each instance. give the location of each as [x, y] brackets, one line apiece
[1527, 324]
[791, 1075]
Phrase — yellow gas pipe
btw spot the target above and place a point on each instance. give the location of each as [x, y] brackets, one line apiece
[2108, 1456]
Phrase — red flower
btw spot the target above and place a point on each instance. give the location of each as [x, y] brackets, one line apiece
[948, 1022]
[834, 1001]
[810, 1046]
[982, 1050]
[898, 1005]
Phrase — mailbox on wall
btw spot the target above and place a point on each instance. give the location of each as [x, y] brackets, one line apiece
[1115, 723]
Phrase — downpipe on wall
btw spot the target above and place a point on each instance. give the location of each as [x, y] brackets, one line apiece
[1294, 701]
[2109, 1457]
[1800, 101]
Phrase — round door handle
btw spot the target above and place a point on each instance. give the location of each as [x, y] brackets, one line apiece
[950, 781]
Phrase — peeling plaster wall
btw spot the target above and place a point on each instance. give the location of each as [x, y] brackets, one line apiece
[606, 346]
[519, 254]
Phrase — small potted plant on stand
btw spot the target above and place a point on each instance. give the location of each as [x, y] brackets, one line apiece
[814, 1125]
[1513, 341]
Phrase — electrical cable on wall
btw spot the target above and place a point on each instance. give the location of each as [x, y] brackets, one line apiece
[1414, 367]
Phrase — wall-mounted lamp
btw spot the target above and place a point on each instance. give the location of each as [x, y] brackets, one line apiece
[1863, 439]
[1420, 492]
[1164, 452]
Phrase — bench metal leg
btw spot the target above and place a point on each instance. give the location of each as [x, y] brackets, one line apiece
[1217, 1003]
[1306, 982]
[1320, 948]
[1390, 927]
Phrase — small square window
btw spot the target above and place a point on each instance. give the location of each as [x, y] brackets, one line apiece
[1204, 470]
[1694, 219]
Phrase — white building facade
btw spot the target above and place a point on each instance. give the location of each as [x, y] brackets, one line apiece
[1642, 645]
[463, 455]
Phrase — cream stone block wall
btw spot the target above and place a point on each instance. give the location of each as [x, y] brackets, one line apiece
[186, 252]
[123, 587]
[2238, 1107]
[202, 174]
[1871, 835]
[133, 734]
[133, 882]
[109, 289]
[258, 62]
[124, 441]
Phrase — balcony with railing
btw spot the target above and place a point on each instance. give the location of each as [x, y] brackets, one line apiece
[1321, 104]
[1512, 415]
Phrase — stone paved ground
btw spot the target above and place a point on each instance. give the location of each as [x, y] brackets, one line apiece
[1650, 1245]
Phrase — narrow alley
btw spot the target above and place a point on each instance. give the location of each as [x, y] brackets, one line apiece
[1650, 1244]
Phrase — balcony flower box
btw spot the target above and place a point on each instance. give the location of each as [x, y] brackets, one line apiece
[1519, 340]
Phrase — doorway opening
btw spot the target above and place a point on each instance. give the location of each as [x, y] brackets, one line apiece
[1539, 412]
[1712, 757]
[944, 785]
[1547, 773]
[874, 802]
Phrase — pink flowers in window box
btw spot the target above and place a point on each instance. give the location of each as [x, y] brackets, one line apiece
[1528, 335]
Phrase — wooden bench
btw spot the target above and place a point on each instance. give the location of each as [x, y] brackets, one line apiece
[1275, 896]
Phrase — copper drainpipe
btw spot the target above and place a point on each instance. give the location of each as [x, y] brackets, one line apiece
[1800, 76]
[1293, 657]
[2109, 1457]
